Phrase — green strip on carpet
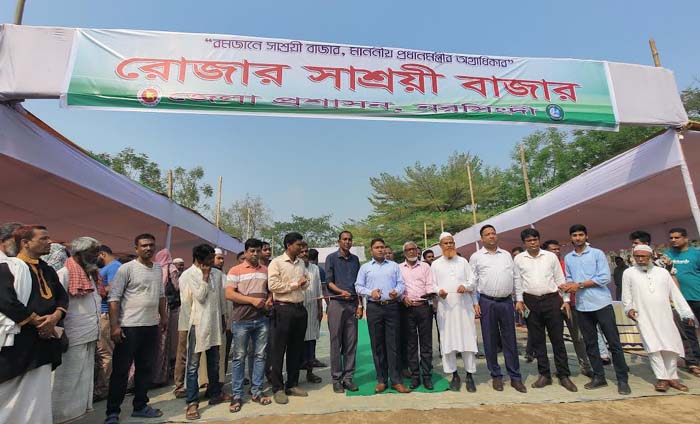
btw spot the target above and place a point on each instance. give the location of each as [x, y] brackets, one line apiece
[365, 376]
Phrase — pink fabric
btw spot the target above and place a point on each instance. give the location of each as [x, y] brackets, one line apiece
[417, 279]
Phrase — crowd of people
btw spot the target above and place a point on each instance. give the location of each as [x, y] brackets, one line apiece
[83, 323]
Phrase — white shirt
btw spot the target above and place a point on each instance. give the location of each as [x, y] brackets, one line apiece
[203, 303]
[82, 321]
[494, 272]
[538, 275]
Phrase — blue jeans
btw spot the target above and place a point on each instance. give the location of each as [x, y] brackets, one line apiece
[192, 377]
[253, 331]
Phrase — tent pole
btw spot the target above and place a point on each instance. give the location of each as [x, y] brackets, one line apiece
[168, 236]
[19, 12]
[425, 235]
[654, 53]
[218, 204]
[688, 183]
[169, 230]
[471, 192]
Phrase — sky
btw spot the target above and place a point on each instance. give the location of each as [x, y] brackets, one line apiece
[313, 167]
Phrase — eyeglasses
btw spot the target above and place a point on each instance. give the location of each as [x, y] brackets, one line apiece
[411, 249]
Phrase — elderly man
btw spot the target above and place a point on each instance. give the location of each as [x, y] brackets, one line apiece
[313, 303]
[380, 281]
[137, 316]
[418, 316]
[203, 296]
[495, 281]
[32, 297]
[73, 381]
[646, 291]
[453, 281]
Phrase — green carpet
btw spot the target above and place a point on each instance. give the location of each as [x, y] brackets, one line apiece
[365, 376]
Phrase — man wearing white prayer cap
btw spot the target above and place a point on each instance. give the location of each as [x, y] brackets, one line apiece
[218, 259]
[646, 291]
[454, 285]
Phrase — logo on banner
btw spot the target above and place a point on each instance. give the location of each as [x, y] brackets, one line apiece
[555, 112]
[149, 97]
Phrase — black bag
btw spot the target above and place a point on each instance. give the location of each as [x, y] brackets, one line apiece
[172, 294]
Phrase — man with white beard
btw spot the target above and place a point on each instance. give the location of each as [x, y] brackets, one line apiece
[454, 282]
[646, 291]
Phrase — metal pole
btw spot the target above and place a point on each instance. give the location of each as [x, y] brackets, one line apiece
[19, 12]
[654, 53]
[218, 203]
[471, 192]
[524, 165]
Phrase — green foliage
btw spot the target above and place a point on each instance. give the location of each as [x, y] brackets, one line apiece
[691, 102]
[248, 217]
[317, 232]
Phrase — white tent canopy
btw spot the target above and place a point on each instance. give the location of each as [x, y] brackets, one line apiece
[48, 180]
[34, 63]
[643, 188]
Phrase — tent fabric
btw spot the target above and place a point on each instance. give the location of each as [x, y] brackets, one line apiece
[49, 181]
[642, 188]
[643, 95]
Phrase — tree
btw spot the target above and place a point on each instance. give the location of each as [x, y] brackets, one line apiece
[691, 101]
[251, 209]
[189, 190]
[317, 231]
[137, 166]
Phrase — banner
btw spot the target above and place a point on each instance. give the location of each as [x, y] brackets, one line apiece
[197, 73]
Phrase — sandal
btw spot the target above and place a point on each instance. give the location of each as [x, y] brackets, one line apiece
[192, 412]
[147, 412]
[695, 370]
[235, 405]
[262, 400]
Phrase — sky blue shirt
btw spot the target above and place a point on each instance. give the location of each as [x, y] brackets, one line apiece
[107, 273]
[385, 276]
[591, 265]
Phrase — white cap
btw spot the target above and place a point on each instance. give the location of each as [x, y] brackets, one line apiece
[218, 251]
[444, 234]
[642, 248]
[178, 261]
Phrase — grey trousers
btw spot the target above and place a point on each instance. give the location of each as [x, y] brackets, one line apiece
[342, 326]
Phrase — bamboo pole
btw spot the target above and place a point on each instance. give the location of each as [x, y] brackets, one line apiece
[525, 178]
[248, 225]
[442, 225]
[654, 53]
[425, 235]
[471, 192]
[19, 12]
[218, 203]
[170, 184]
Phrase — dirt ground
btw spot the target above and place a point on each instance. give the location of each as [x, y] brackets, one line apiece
[679, 409]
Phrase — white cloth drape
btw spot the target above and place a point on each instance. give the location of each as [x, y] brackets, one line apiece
[23, 288]
[73, 383]
[24, 399]
[311, 295]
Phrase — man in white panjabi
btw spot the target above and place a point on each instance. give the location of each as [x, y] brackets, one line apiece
[314, 308]
[73, 382]
[455, 312]
[647, 292]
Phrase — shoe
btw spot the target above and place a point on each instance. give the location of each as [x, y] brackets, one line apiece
[296, 391]
[606, 361]
[568, 384]
[662, 386]
[587, 372]
[596, 383]
[695, 370]
[428, 384]
[541, 382]
[480, 355]
[414, 384]
[518, 385]
[401, 388]
[318, 364]
[624, 389]
[497, 384]
[471, 387]
[456, 383]
[281, 397]
[246, 381]
[220, 398]
[676, 384]
[350, 386]
[338, 388]
[406, 374]
[180, 393]
[379, 388]
[313, 378]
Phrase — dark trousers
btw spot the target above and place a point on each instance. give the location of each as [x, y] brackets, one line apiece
[287, 336]
[383, 322]
[577, 340]
[227, 352]
[403, 338]
[342, 326]
[605, 318]
[140, 347]
[309, 354]
[498, 323]
[546, 319]
[690, 338]
[418, 326]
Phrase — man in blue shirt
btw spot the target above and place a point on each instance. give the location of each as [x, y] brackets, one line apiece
[380, 281]
[587, 277]
[108, 269]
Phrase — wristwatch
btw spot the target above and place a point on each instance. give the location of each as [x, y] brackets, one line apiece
[580, 286]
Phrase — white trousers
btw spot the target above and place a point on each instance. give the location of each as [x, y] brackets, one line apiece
[27, 398]
[664, 364]
[449, 362]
